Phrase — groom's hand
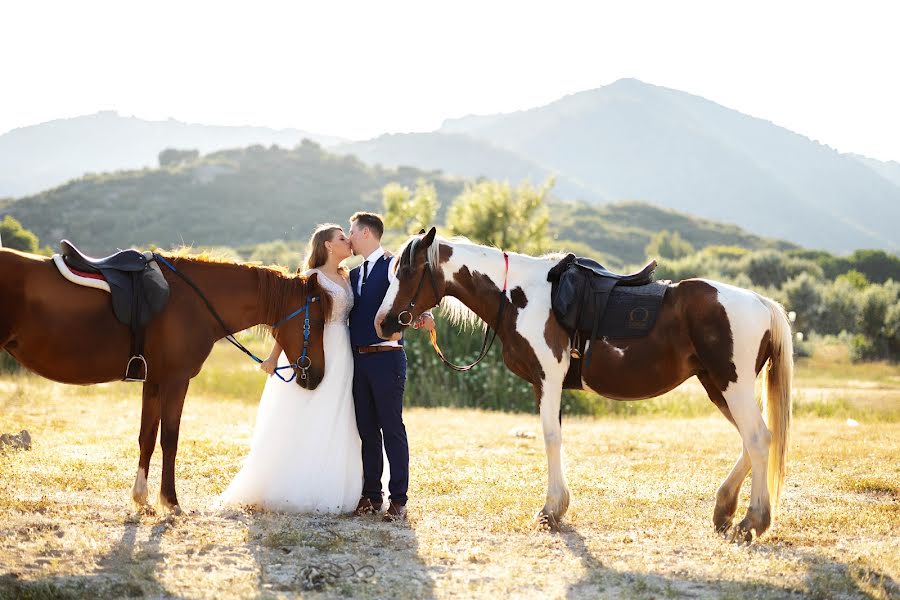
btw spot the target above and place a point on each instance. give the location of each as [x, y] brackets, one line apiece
[425, 321]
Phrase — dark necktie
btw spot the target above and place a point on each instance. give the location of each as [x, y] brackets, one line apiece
[365, 276]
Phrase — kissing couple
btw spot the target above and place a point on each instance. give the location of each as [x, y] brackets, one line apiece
[323, 450]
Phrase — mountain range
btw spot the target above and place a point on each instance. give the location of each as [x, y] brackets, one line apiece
[634, 141]
[39, 157]
[627, 141]
[250, 196]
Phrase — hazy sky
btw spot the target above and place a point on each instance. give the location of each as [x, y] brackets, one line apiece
[826, 70]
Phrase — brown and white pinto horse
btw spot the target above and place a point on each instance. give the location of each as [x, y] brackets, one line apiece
[721, 334]
[69, 334]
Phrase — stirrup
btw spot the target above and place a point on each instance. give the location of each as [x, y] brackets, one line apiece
[140, 358]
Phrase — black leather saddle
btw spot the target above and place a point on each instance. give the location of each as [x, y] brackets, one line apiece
[137, 288]
[589, 265]
[124, 260]
[590, 301]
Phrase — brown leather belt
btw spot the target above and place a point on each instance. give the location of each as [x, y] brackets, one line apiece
[369, 349]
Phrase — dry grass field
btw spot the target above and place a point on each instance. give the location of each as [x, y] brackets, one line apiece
[639, 525]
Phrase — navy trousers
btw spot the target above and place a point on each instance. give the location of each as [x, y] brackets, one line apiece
[378, 382]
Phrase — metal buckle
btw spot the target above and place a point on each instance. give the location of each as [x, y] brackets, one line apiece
[400, 318]
[140, 358]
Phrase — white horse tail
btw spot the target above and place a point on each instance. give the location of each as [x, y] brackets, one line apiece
[776, 396]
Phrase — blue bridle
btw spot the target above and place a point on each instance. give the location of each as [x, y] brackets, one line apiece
[303, 356]
[303, 363]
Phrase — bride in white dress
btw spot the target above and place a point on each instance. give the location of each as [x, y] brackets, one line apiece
[305, 453]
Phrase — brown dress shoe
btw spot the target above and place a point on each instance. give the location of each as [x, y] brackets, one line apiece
[366, 507]
[395, 512]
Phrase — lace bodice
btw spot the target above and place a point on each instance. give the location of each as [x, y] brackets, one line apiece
[341, 297]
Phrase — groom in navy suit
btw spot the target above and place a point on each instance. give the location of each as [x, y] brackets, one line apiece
[379, 373]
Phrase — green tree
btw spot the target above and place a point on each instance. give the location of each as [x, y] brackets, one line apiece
[13, 235]
[877, 265]
[854, 278]
[840, 306]
[495, 213]
[407, 212]
[668, 244]
[892, 331]
[171, 157]
[770, 268]
[802, 296]
[876, 303]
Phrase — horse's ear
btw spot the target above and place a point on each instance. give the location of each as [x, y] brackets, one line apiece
[312, 279]
[429, 237]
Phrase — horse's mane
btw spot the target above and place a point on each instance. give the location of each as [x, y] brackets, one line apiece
[217, 256]
[454, 311]
[279, 290]
[451, 308]
[281, 293]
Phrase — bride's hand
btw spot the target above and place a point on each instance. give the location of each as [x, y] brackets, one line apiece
[269, 365]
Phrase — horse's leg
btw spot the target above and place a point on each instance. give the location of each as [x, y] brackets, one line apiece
[549, 395]
[150, 414]
[172, 402]
[727, 494]
[756, 438]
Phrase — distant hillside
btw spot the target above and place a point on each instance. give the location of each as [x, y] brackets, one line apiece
[890, 169]
[618, 233]
[628, 141]
[462, 155]
[42, 156]
[247, 197]
[631, 140]
[232, 198]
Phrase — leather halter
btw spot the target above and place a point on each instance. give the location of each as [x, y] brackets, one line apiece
[490, 334]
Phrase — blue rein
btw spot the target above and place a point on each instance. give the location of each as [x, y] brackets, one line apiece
[303, 363]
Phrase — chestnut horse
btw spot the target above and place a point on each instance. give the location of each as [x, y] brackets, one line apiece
[719, 333]
[68, 333]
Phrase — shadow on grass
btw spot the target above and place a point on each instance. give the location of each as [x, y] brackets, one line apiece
[128, 570]
[356, 557]
[825, 579]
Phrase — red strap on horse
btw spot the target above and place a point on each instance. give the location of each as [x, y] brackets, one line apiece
[505, 275]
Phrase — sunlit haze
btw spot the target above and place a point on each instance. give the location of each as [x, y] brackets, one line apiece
[356, 70]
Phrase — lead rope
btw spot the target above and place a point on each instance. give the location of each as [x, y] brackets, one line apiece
[489, 336]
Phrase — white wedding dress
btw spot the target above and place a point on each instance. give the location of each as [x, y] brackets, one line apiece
[305, 453]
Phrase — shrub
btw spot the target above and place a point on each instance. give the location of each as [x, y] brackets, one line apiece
[802, 296]
[839, 308]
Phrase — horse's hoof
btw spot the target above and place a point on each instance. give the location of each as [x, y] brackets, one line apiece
[751, 527]
[742, 536]
[546, 522]
[144, 510]
[723, 526]
[170, 507]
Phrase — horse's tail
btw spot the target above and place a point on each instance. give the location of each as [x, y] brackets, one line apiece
[776, 395]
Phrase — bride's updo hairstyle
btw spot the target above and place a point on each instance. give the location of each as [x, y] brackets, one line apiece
[316, 252]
